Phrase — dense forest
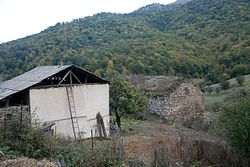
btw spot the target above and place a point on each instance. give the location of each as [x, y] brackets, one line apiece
[200, 38]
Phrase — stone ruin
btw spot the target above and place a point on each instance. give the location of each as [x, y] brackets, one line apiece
[173, 98]
[186, 102]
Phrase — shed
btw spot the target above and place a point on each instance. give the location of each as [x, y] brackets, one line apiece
[67, 96]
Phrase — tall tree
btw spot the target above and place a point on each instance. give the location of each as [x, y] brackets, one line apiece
[125, 99]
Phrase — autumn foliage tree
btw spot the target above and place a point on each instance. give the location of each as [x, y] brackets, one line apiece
[169, 41]
[125, 99]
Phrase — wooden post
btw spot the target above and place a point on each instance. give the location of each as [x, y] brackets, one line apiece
[101, 125]
[86, 79]
[92, 140]
[7, 104]
[4, 127]
[155, 163]
[21, 117]
[70, 78]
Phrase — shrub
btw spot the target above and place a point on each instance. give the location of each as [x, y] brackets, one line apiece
[104, 153]
[33, 143]
[240, 80]
[27, 141]
[234, 123]
[199, 124]
[224, 84]
[209, 89]
[5, 152]
[216, 106]
[217, 90]
[235, 95]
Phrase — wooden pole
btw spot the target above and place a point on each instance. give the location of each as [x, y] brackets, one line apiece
[21, 117]
[92, 140]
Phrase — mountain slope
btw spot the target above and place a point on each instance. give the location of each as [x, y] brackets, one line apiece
[182, 1]
[199, 38]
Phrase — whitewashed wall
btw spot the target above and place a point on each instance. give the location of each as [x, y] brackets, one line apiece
[51, 104]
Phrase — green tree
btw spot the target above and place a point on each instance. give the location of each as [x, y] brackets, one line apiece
[153, 42]
[239, 69]
[125, 99]
[224, 84]
[209, 89]
[240, 80]
[212, 76]
[217, 90]
[234, 121]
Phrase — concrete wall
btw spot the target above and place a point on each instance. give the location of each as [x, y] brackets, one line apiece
[51, 105]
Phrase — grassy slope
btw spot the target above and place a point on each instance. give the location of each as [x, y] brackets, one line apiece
[213, 98]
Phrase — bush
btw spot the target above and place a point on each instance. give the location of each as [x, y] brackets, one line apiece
[209, 89]
[5, 152]
[235, 95]
[240, 80]
[216, 106]
[33, 143]
[198, 124]
[104, 153]
[224, 84]
[217, 90]
[27, 142]
[234, 123]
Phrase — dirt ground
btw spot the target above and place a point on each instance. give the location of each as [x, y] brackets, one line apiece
[158, 144]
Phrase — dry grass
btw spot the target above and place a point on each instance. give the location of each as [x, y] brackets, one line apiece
[25, 162]
[180, 147]
[159, 85]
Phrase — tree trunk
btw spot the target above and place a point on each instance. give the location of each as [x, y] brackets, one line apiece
[118, 119]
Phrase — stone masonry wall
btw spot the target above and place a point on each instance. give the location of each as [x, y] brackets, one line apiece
[158, 105]
[13, 115]
[185, 103]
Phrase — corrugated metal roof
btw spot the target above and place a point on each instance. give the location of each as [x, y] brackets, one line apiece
[29, 79]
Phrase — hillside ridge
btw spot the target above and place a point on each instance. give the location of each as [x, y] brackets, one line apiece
[196, 39]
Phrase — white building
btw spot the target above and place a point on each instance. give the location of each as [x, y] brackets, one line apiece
[67, 96]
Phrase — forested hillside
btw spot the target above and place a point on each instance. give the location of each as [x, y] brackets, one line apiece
[200, 38]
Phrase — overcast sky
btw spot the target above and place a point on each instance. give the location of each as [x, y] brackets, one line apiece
[19, 18]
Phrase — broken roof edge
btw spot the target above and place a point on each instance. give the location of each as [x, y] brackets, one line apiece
[90, 73]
